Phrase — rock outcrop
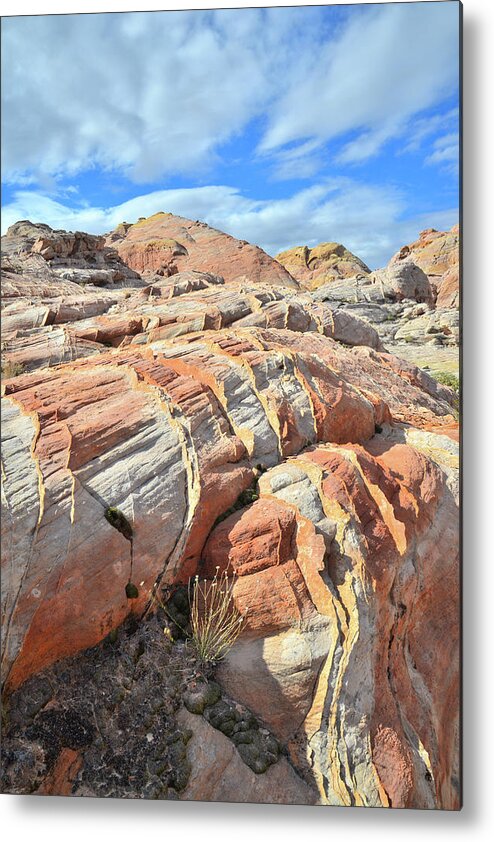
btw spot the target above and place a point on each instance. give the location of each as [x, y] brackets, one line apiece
[326, 262]
[206, 409]
[165, 244]
[145, 416]
[404, 281]
[218, 773]
[50, 331]
[350, 591]
[437, 253]
[77, 257]
[412, 302]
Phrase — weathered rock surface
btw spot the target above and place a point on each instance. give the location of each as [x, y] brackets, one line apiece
[449, 288]
[37, 284]
[204, 409]
[404, 280]
[144, 415]
[218, 773]
[321, 264]
[422, 279]
[52, 331]
[409, 329]
[75, 256]
[439, 326]
[437, 253]
[346, 567]
[165, 244]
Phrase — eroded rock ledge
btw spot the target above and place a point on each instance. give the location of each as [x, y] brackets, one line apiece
[173, 405]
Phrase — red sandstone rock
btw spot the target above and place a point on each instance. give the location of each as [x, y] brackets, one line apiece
[347, 564]
[159, 312]
[346, 568]
[449, 288]
[314, 267]
[166, 244]
[204, 412]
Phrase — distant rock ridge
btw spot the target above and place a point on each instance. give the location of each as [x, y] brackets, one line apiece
[412, 302]
[165, 244]
[321, 264]
[71, 256]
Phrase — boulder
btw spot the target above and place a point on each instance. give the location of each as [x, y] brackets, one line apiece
[218, 773]
[404, 280]
[437, 253]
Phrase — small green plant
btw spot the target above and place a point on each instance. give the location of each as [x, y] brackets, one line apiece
[131, 591]
[448, 379]
[11, 369]
[117, 519]
[215, 620]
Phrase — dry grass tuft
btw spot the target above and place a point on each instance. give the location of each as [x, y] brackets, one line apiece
[215, 620]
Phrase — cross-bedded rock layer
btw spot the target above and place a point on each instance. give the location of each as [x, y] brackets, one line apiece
[166, 244]
[162, 405]
[51, 331]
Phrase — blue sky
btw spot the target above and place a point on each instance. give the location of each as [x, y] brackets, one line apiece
[281, 126]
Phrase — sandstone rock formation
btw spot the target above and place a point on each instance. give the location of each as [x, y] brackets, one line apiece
[412, 302]
[76, 435]
[404, 280]
[50, 331]
[36, 284]
[437, 254]
[449, 288]
[165, 244]
[337, 567]
[321, 264]
[143, 415]
[79, 257]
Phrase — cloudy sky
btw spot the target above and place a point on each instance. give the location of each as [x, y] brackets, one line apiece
[281, 126]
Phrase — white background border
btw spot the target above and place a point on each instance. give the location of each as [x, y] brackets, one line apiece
[80, 820]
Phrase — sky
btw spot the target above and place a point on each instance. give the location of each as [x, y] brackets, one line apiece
[281, 126]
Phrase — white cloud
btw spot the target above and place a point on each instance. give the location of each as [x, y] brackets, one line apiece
[159, 94]
[446, 152]
[391, 62]
[366, 218]
[300, 161]
[368, 144]
[425, 127]
[148, 94]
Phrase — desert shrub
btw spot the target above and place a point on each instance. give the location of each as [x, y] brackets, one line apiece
[448, 379]
[214, 618]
